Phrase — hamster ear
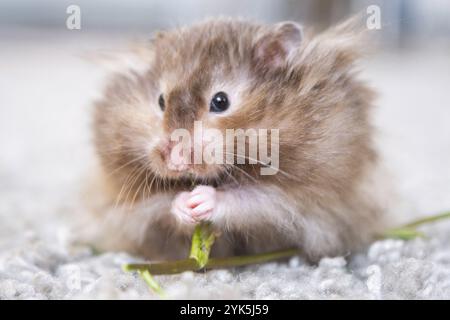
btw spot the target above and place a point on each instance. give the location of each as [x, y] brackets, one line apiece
[338, 48]
[273, 47]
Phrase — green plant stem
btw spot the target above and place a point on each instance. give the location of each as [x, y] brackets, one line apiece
[151, 282]
[408, 231]
[169, 267]
[237, 261]
[425, 220]
[178, 266]
[202, 241]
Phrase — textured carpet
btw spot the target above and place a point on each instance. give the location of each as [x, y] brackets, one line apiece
[45, 91]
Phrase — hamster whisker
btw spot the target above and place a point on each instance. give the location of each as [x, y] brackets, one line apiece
[228, 171]
[133, 183]
[120, 149]
[145, 185]
[243, 171]
[139, 158]
[142, 181]
[288, 175]
[148, 186]
[125, 185]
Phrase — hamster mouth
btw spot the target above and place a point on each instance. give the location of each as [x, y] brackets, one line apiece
[190, 179]
[176, 167]
[182, 170]
[196, 172]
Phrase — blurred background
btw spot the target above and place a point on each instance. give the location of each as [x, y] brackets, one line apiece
[408, 22]
[46, 89]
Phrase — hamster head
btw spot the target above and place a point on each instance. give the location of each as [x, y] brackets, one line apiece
[228, 74]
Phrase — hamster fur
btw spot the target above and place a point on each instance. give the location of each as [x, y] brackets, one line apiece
[325, 199]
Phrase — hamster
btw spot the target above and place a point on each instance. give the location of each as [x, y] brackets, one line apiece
[235, 74]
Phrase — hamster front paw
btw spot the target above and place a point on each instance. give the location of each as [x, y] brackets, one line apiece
[197, 205]
[202, 200]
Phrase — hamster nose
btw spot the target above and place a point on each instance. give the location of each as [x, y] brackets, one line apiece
[177, 157]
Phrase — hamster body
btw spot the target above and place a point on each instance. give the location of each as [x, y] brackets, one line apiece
[234, 74]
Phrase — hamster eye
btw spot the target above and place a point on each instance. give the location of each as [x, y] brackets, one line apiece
[219, 102]
[161, 102]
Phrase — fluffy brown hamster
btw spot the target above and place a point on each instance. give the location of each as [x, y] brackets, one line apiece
[235, 74]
